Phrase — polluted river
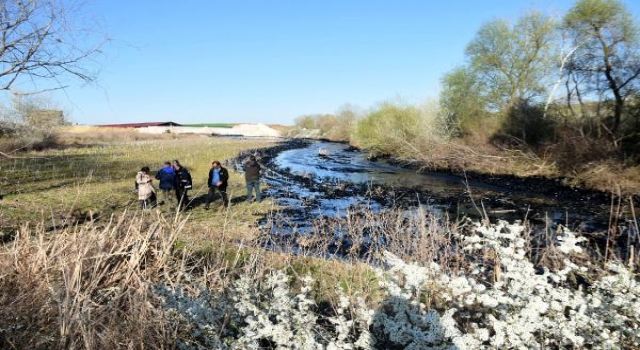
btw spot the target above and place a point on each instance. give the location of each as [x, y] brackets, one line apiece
[334, 198]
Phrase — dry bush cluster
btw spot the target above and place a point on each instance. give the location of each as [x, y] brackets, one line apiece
[87, 287]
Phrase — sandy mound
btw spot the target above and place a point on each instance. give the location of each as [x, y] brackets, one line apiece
[255, 130]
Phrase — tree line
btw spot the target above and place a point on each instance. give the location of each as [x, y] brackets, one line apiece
[569, 84]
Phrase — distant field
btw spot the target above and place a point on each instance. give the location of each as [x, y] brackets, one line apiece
[211, 125]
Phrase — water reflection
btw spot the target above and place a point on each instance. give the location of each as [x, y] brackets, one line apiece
[343, 163]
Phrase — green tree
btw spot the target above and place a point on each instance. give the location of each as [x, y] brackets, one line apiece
[391, 129]
[345, 122]
[463, 107]
[326, 123]
[306, 122]
[513, 62]
[606, 62]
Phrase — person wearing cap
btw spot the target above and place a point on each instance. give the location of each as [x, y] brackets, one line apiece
[252, 171]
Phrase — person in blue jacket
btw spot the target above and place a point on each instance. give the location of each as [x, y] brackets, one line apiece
[167, 178]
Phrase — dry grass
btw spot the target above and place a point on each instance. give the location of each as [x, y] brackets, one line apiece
[87, 288]
[91, 135]
[610, 177]
[92, 286]
[604, 175]
[483, 158]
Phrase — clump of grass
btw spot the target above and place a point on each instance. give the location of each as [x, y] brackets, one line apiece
[87, 287]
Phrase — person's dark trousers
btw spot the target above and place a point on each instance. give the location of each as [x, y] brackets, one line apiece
[182, 197]
[212, 194]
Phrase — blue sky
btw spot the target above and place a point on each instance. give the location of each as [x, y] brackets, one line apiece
[271, 61]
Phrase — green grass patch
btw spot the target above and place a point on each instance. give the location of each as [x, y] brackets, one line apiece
[48, 185]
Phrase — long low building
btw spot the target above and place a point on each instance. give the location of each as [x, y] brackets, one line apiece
[250, 130]
[139, 125]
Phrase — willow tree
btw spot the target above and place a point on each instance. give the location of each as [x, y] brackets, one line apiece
[514, 62]
[510, 67]
[392, 129]
[606, 62]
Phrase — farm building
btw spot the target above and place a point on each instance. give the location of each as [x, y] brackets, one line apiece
[140, 125]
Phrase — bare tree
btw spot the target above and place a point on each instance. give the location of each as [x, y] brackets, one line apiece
[38, 42]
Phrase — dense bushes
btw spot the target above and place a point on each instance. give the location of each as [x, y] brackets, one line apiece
[398, 130]
[336, 127]
[499, 302]
[16, 137]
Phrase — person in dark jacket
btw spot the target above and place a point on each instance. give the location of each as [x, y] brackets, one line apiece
[167, 178]
[252, 178]
[183, 184]
[217, 182]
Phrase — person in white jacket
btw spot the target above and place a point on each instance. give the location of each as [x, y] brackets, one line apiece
[146, 192]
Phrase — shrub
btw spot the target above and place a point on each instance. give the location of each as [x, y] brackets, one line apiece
[395, 130]
[529, 124]
[86, 288]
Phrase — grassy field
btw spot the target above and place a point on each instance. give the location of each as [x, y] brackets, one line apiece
[99, 180]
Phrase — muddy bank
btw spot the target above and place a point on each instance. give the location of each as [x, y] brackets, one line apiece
[344, 185]
[347, 173]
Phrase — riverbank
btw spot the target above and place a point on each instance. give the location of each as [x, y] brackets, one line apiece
[346, 173]
[130, 278]
[488, 162]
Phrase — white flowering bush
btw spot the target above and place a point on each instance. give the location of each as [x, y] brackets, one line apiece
[275, 316]
[523, 309]
[501, 302]
[200, 311]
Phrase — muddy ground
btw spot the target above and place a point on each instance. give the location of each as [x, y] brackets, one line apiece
[542, 202]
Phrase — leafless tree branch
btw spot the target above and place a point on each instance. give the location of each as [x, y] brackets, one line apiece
[37, 42]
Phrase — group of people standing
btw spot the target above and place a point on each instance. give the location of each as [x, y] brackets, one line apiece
[175, 182]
